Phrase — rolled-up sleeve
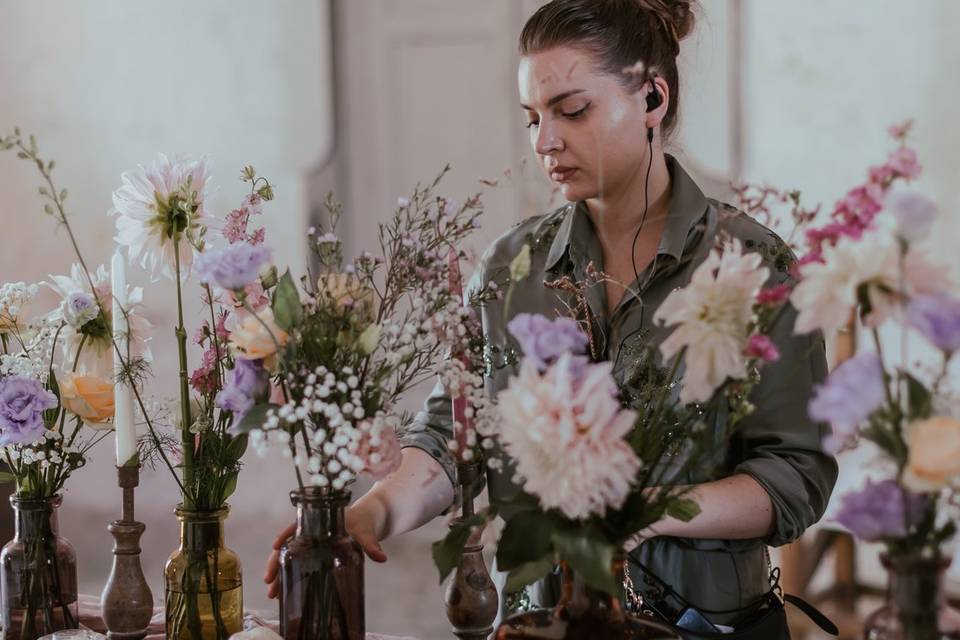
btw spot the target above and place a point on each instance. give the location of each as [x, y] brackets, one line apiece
[778, 444]
[432, 429]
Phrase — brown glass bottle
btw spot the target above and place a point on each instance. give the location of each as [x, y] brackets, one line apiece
[321, 572]
[38, 571]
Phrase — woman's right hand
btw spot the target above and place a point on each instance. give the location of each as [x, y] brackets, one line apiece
[361, 523]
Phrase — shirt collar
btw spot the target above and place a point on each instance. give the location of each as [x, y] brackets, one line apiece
[687, 206]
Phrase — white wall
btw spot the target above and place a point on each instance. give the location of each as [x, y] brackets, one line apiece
[824, 79]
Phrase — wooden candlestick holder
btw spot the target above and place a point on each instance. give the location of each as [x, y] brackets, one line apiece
[471, 596]
[126, 602]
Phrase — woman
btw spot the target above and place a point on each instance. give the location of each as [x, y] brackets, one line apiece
[598, 128]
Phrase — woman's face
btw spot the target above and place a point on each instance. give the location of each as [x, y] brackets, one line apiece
[587, 129]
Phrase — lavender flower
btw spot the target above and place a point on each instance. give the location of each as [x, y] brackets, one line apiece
[22, 403]
[852, 392]
[79, 308]
[914, 212]
[881, 511]
[937, 317]
[543, 340]
[249, 381]
[234, 266]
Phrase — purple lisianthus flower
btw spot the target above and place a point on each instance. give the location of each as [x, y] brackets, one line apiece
[881, 511]
[22, 403]
[232, 267]
[937, 317]
[914, 212]
[249, 381]
[852, 392]
[544, 340]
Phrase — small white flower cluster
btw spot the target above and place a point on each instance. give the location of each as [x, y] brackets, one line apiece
[49, 450]
[22, 366]
[401, 341]
[33, 361]
[452, 325]
[331, 413]
[14, 298]
[480, 411]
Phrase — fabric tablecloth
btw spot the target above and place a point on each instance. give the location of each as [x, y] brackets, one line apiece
[90, 619]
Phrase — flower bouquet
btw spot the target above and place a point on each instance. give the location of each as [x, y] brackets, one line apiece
[56, 403]
[599, 464]
[346, 344]
[870, 260]
[162, 222]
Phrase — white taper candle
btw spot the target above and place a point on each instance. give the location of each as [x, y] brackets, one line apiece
[126, 430]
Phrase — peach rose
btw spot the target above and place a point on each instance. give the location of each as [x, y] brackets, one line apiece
[346, 290]
[250, 339]
[934, 458]
[88, 396]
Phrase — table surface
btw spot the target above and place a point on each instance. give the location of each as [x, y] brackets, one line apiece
[90, 619]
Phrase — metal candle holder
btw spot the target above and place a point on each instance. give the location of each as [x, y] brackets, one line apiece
[126, 602]
[471, 596]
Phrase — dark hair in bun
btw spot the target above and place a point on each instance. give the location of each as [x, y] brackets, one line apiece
[619, 33]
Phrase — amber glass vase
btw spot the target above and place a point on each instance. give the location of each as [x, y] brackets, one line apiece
[583, 614]
[916, 606]
[38, 572]
[321, 572]
[202, 581]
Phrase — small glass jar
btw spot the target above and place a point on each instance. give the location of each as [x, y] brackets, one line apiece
[916, 606]
[38, 572]
[203, 580]
[321, 572]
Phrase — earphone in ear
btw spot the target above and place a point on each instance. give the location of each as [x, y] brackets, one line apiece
[654, 100]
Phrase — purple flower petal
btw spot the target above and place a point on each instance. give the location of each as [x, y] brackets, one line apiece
[881, 511]
[937, 317]
[249, 382]
[543, 340]
[852, 392]
[233, 267]
[22, 403]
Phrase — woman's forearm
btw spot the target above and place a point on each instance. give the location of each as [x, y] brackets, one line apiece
[733, 508]
[409, 497]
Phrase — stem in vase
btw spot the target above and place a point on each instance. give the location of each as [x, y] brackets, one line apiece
[185, 435]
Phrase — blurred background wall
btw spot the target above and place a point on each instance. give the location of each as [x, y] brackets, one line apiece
[368, 97]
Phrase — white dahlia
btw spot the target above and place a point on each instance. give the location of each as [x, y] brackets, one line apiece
[713, 314]
[161, 208]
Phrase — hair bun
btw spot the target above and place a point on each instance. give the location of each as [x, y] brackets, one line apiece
[675, 15]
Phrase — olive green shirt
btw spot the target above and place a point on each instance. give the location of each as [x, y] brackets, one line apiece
[778, 444]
